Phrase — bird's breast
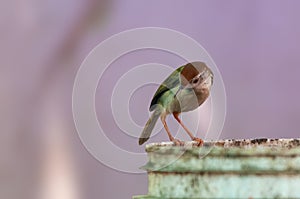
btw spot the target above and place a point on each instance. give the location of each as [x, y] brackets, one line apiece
[188, 100]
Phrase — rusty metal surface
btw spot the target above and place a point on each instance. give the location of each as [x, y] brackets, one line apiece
[268, 168]
[235, 147]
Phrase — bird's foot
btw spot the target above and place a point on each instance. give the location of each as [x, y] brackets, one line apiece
[177, 142]
[198, 140]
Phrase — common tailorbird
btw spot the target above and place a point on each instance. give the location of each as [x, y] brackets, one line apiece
[184, 90]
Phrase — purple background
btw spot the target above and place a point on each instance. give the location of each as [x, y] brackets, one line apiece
[255, 45]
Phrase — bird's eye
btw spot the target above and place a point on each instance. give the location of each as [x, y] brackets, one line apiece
[195, 81]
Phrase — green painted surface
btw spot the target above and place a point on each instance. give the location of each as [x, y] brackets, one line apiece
[258, 168]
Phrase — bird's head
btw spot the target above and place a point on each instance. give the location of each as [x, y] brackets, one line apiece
[196, 75]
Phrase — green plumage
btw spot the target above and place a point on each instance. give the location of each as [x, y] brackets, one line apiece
[171, 82]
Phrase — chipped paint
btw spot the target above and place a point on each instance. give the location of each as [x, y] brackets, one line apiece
[258, 168]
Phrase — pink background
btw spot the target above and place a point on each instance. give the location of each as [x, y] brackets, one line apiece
[255, 44]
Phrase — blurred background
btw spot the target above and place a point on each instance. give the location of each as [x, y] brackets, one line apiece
[255, 45]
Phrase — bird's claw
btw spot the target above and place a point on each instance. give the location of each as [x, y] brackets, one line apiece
[178, 142]
[198, 140]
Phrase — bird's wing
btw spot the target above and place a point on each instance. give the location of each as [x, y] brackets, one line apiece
[171, 82]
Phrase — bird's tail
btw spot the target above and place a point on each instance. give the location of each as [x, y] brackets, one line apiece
[149, 126]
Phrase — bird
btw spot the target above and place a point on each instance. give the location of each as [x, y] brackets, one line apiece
[184, 90]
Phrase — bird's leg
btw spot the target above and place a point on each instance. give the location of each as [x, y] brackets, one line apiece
[172, 139]
[200, 141]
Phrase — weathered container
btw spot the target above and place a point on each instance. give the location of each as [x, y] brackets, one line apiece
[260, 168]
